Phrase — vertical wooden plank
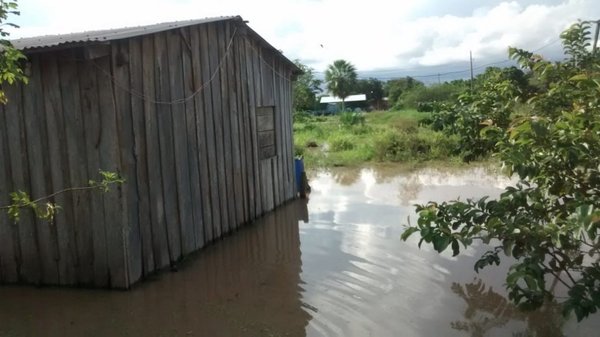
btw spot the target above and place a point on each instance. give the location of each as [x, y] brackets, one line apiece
[254, 97]
[77, 158]
[155, 188]
[284, 157]
[280, 120]
[267, 74]
[235, 128]
[140, 156]
[190, 92]
[238, 132]
[290, 143]
[59, 167]
[226, 155]
[167, 155]
[204, 232]
[120, 59]
[230, 127]
[8, 246]
[28, 262]
[289, 159]
[110, 161]
[277, 161]
[287, 154]
[265, 164]
[246, 126]
[217, 110]
[181, 142]
[35, 124]
[210, 138]
[267, 181]
[92, 131]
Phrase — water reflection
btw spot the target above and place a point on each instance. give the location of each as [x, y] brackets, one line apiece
[334, 269]
[365, 282]
[488, 310]
[246, 285]
[346, 176]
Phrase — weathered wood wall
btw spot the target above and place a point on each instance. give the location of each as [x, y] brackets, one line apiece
[175, 114]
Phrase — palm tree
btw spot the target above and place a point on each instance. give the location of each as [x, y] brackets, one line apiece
[340, 77]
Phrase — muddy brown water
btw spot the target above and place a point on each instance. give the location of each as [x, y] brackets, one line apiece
[334, 266]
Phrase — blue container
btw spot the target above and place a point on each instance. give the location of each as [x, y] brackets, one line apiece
[299, 169]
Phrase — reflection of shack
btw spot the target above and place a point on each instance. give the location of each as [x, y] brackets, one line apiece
[248, 285]
[331, 105]
[196, 115]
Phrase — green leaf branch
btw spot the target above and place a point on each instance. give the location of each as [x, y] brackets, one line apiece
[45, 209]
[549, 221]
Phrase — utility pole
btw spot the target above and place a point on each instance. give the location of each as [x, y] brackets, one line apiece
[439, 81]
[471, 61]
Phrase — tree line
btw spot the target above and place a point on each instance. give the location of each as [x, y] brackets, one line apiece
[401, 93]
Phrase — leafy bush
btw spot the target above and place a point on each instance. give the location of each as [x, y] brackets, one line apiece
[425, 106]
[341, 142]
[445, 92]
[349, 118]
[302, 116]
[480, 119]
[424, 144]
[548, 222]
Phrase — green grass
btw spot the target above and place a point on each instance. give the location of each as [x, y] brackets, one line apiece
[383, 136]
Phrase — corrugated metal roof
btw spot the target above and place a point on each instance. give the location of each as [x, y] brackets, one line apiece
[108, 34]
[351, 98]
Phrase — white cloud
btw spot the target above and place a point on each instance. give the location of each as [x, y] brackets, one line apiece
[371, 34]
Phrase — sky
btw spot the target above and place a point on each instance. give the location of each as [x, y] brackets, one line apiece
[382, 38]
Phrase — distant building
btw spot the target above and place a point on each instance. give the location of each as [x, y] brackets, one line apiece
[330, 104]
[351, 98]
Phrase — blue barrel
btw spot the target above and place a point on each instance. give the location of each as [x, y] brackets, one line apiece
[299, 161]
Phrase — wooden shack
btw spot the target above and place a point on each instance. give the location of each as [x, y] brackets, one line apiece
[195, 115]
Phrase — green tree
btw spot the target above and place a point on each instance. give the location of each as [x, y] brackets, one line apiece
[373, 88]
[394, 89]
[340, 77]
[443, 93]
[479, 118]
[517, 77]
[549, 222]
[10, 57]
[306, 88]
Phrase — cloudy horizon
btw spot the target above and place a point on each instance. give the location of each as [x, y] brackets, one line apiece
[426, 39]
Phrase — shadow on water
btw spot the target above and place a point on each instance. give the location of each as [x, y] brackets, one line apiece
[487, 310]
[245, 285]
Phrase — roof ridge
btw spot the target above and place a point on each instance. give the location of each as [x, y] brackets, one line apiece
[51, 40]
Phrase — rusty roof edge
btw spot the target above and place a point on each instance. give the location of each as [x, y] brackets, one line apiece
[27, 44]
[58, 41]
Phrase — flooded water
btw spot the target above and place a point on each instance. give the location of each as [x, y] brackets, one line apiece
[334, 266]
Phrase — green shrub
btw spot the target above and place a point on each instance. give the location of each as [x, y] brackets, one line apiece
[389, 146]
[298, 150]
[444, 92]
[302, 116]
[349, 118]
[341, 142]
[422, 144]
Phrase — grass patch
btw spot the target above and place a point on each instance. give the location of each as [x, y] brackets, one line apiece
[384, 136]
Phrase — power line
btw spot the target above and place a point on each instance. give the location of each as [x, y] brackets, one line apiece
[445, 73]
